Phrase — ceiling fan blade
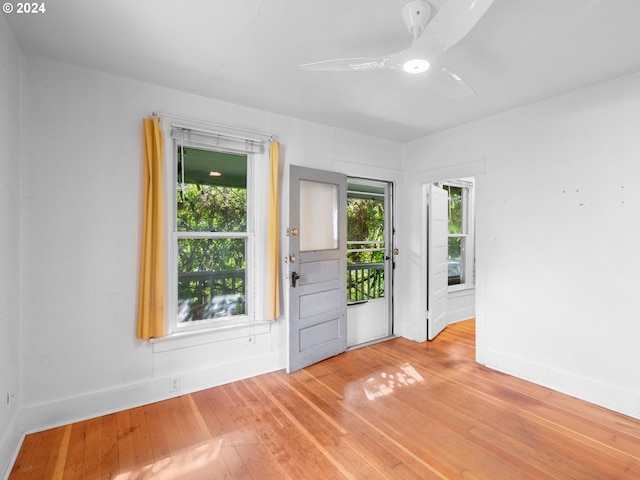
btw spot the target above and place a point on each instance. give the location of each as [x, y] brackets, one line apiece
[448, 83]
[346, 64]
[452, 23]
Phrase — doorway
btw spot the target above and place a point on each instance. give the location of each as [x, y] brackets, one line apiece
[340, 277]
[450, 262]
[370, 261]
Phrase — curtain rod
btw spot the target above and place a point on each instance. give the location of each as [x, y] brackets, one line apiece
[268, 136]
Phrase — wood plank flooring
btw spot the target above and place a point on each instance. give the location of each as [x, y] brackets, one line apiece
[395, 410]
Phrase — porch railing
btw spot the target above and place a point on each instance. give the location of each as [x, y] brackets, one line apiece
[204, 290]
[210, 294]
[365, 281]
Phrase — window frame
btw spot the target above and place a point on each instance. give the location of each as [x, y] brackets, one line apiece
[206, 141]
[468, 257]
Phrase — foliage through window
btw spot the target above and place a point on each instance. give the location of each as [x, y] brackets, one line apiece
[365, 243]
[460, 248]
[211, 234]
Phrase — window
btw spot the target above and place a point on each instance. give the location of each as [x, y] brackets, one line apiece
[366, 230]
[460, 249]
[212, 243]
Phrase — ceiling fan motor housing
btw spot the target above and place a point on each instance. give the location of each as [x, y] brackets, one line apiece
[416, 15]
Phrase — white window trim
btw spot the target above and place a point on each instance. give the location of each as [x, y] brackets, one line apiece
[211, 329]
[469, 218]
[220, 333]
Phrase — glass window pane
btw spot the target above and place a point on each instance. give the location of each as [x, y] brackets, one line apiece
[365, 243]
[211, 191]
[365, 219]
[456, 260]
[369, 255]
[455, 209]
[318, 216]
[211, 278]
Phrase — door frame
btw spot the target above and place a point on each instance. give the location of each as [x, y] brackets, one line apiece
[390, 248]
[476, 169]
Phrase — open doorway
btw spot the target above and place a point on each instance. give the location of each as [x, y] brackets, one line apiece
[341, 260]
[450, 268]
[370, 261]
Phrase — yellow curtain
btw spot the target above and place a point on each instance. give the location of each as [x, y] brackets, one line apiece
[151, 289]
[272, 287]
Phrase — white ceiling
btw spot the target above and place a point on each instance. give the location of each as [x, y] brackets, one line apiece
[247, 51]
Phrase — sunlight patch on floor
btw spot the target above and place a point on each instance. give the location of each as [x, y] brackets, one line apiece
[385, 383]
[176, 466]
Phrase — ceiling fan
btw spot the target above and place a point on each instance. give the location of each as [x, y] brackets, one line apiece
[431, 39]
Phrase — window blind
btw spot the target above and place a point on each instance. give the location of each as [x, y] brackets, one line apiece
[198, 138]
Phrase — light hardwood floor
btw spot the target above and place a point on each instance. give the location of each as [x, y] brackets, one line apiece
[397, 409]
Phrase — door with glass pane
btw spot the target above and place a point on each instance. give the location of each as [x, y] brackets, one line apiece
[317, 266]
[369, 261]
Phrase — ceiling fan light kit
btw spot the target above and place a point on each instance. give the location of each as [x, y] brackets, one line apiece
[432, 35]
[417, 65]
[416, 15]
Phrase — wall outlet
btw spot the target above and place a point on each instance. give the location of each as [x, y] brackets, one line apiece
[174, 384]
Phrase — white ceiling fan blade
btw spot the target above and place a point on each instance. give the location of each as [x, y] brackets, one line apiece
[441, 79]
[448, 83]
[452, 23]
[347, 64]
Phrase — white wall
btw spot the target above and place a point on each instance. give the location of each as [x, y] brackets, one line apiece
[82, 165]
[558, 219]
[461, 305]
[9, 243]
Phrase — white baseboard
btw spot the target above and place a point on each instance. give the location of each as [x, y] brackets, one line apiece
[62, 412]
[10, 444]
[598, 393]
[460, 315]
[36, 418]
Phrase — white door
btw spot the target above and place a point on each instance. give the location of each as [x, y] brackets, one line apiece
[437, 265]
[369, 261]
[317, 266]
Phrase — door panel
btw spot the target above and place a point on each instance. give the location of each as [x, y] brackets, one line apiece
[437, 265]
[319, 333]
[314, 272]
[313, 304]
[367, 322]
[317, 266]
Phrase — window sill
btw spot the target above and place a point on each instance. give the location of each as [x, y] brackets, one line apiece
[218, 333]
[462, 290]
